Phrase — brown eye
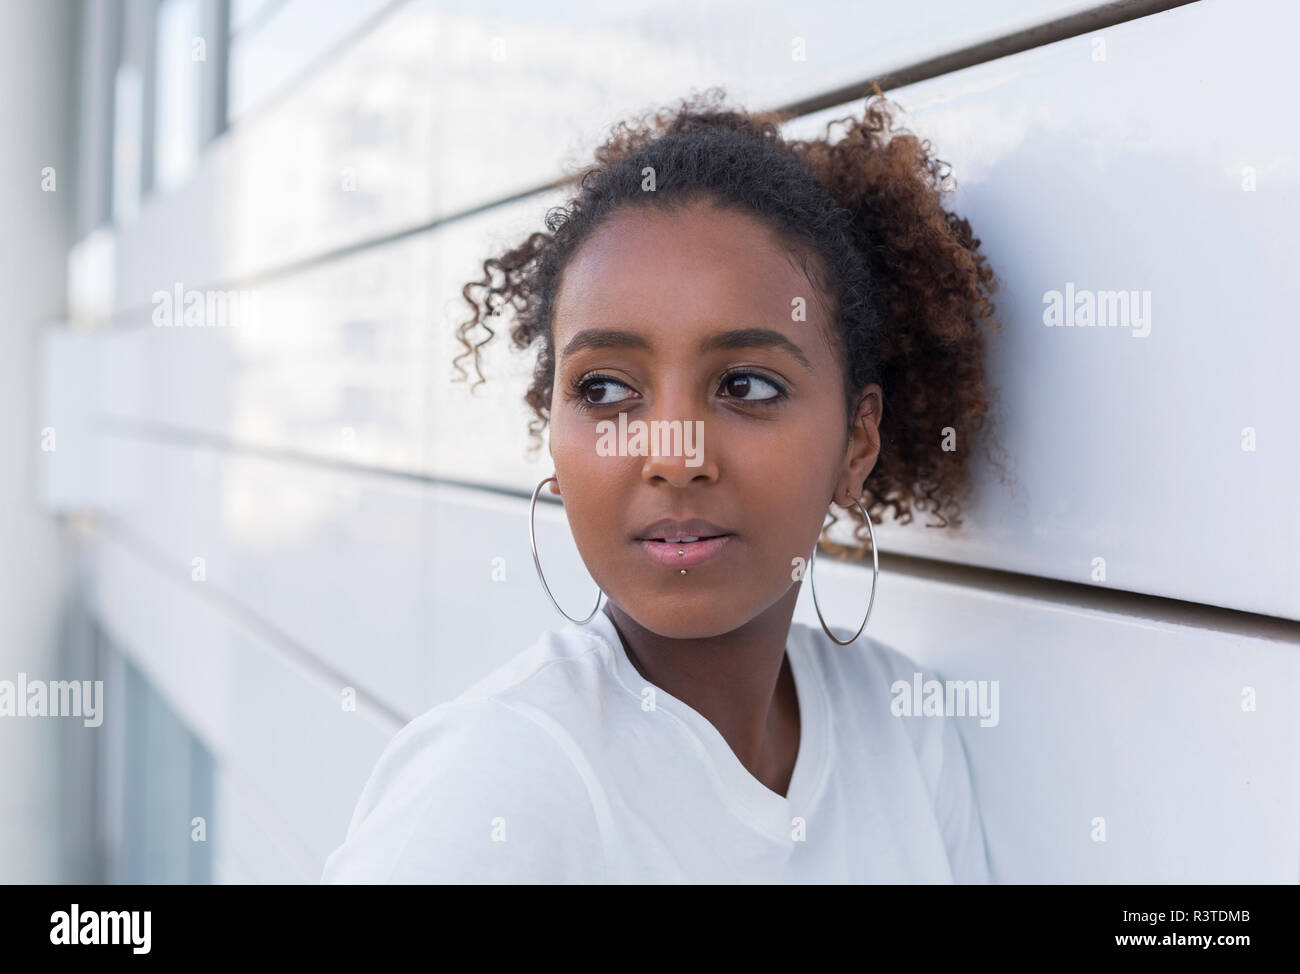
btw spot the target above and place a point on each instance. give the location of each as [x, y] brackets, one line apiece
[751, 387]
[599, 391]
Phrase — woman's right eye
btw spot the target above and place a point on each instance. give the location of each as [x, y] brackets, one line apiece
[601, 390]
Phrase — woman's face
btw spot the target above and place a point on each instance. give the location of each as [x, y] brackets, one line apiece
[693, 317]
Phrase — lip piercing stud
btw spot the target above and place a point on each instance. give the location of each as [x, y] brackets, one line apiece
[680, 553]
[683, 571]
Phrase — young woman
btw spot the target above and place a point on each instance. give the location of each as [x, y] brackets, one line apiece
[813, 314]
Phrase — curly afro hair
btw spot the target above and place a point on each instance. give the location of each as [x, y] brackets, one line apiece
[902, 276]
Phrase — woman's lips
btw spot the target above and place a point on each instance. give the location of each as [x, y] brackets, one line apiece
[692, 552]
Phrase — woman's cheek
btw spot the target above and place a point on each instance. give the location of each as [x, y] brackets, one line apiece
[573, 455]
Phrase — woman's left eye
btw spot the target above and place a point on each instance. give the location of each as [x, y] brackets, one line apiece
[740, 384]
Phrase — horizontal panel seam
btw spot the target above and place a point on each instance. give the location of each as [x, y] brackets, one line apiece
[995, 581]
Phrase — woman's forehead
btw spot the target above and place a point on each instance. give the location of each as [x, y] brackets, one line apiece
[695, 269]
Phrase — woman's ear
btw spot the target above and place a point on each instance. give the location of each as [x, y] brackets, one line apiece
[554, 485]
[864, 445]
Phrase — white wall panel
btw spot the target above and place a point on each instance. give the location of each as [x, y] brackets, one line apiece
[1101, 173]
[280, 723]
[388, 581]
[442, 107]
[65, 472]
[351, 361]
[335, 362]
[250, 845]
[1123, 716]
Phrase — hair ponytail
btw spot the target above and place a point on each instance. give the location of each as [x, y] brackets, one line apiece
[934, 288]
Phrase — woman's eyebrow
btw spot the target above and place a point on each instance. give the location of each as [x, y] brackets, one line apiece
[755, 338]
[736, 338]
[605, 338]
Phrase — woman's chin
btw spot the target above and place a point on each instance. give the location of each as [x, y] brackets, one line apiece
[701, 615]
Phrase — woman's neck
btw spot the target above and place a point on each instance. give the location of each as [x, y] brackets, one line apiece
[739, 681]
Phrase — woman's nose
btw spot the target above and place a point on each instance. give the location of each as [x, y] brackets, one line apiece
[677, 450]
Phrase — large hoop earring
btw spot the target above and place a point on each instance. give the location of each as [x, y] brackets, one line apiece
[532, 540]
[875, 576]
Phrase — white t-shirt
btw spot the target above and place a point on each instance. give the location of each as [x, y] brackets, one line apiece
[565, 766]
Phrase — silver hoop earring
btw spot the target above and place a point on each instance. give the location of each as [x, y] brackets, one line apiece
[532, 540]
[875, 576]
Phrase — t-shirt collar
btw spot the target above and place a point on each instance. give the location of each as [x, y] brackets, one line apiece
[754, 802]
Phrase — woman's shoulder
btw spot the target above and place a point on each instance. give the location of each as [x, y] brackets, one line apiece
[559, 660]
[881, 684]
[894, 698]
[487, 787]
[866, 659]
